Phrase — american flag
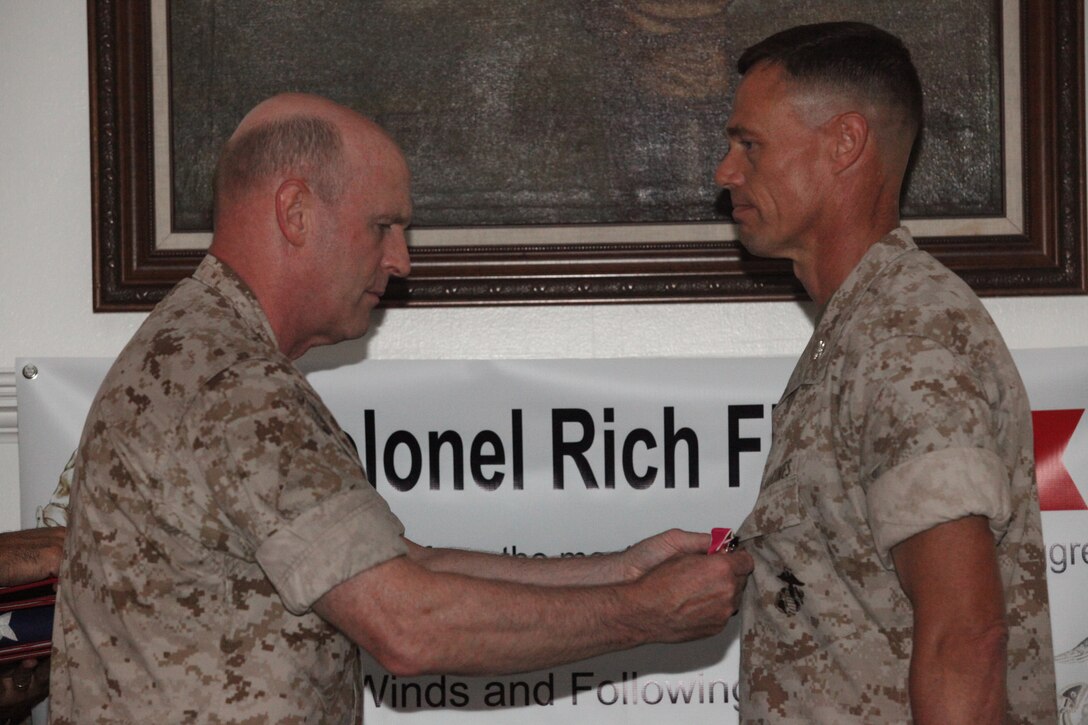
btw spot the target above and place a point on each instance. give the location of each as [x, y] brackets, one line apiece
[26, 620]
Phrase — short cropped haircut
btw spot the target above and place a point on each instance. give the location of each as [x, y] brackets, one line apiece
[307, 146]
[855, 58]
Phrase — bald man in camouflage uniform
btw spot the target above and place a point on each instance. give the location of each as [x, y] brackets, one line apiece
[226, 553]
[899, 558]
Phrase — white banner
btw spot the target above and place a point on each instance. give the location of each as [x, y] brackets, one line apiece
[570, 457]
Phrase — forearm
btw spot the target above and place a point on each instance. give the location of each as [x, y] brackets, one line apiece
[416, 621]
[958, 660]
[432, 622]
[552, 571]
[959, 678]
[30, 554]
[487, 626]
[617, 567]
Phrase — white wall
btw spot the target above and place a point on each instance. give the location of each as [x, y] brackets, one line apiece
[45, 259]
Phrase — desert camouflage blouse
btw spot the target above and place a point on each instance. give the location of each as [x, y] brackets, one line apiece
[214, 500]
[905, 411]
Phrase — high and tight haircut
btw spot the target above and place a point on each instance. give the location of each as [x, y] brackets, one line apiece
[307, 146]
[856, 58]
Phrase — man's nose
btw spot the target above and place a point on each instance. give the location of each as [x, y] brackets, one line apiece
[728, 175]
[397, 261]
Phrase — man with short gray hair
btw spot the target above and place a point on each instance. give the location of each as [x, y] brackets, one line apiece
[226, 554]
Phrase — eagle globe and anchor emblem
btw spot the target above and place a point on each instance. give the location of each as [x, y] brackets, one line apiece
[790, 597]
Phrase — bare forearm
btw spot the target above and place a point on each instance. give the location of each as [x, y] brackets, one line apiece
[441, 622]
[414, 620]
[565, 571]
[29, 555]
[612, 568]
[960, 679]
[958, 661]
[480, 626]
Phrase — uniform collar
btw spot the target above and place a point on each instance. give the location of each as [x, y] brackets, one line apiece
[887, 249]
[215, 273]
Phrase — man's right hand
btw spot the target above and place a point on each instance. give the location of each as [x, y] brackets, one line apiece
[693, 595]
[415, 620]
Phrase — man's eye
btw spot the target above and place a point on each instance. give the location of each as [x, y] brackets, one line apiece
[742, 144]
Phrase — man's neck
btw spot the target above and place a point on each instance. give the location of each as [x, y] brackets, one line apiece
[836, 257]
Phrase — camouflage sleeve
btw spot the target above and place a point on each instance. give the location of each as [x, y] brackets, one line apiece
[926, 440]
[328, 544]
[285, 480]
[55, 513]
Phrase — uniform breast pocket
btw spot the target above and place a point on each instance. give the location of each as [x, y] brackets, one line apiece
[777, 508]
[775, 533]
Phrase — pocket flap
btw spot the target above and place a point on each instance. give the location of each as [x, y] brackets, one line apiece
[777, 507]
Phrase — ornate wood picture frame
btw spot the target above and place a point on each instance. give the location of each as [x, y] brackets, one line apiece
[1035, 245]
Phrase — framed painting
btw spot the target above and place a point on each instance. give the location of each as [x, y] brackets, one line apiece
[563, 152]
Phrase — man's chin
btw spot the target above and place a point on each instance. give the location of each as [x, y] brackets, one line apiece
[750, 243]
[758, 245]
[360, 328]
[351, 329]
[361, 323]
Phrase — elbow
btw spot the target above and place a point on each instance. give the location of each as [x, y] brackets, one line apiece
[403, 653]
[384, 611]
[402, 664]
[992, 642]
[402, 667]
[983, 646]
[960, 677]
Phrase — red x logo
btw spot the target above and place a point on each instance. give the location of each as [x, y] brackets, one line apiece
[1053, 431]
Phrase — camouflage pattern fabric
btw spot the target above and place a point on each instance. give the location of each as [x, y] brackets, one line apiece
[214, 500]
[55, 513]
[905, 411]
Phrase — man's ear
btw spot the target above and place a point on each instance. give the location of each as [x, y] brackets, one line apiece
[849, 135]
[294, 210]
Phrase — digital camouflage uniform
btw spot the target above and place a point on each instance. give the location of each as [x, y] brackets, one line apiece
[215, 499]
[905, 411]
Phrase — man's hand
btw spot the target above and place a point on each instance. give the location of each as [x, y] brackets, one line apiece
[22, 685]
[30, 555]
[693, 595]
[640, 558]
